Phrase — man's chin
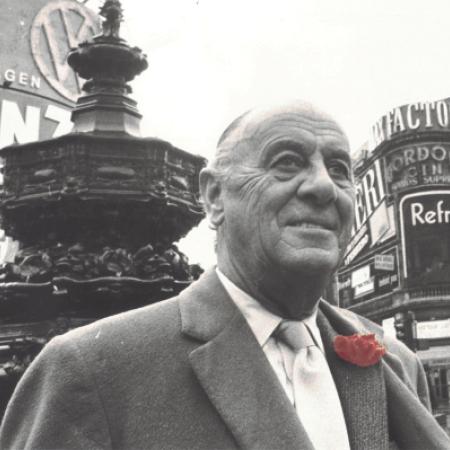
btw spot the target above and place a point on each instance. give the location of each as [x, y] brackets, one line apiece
[313, 262]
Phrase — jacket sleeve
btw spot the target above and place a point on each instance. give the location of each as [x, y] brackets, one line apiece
[56, 404]
[409, 368]
[423, 391]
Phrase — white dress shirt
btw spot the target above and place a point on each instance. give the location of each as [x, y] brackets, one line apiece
[263, 323]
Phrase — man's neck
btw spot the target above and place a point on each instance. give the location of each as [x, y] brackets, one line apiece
[290, 297]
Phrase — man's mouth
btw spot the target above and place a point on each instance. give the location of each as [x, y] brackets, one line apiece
[310, 225]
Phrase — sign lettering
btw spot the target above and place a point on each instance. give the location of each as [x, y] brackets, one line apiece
[433, 329]
[20, 128]
[384, 262]
[364, 288]
[418, 165]
[438, 215]
[425, 225]
[421, 116]
[22, 78]
[356, 250]
[360, 276]
[369, 280]
[369, 194]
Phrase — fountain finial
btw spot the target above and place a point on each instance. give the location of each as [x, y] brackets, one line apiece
[108, 63]
[112, 13]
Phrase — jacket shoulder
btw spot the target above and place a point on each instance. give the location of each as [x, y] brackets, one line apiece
[61, 401]
[391, 343]
[135, 327]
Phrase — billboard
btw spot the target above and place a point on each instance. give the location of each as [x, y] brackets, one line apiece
[417, 165]
[374, 219]
[413, 118]
[425, 234]
[369, 279]
[433, 329]
[37, 87]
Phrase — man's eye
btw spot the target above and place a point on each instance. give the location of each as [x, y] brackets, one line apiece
[288, 162]
[339, 170]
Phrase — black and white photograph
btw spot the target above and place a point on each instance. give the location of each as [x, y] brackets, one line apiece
[224, 225]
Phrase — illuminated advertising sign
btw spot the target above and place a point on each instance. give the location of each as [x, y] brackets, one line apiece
[37, 87]
[373, 217]
[369, 193]
[26, 119]
[417, 165]
[362, 282]
[425, 230]
[370, 279]
[433, 329]
[360, 276]
[384, 262]
[415, 117]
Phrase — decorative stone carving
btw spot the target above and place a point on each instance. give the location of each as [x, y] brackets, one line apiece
[112, 12]
[84, 261]
[96, 211]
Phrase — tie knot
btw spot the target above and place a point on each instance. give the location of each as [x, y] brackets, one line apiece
[295, 335]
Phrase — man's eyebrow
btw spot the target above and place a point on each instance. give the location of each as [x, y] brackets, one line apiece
[282, 144]
[338, 153]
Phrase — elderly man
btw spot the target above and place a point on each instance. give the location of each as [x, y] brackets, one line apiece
[244, 358]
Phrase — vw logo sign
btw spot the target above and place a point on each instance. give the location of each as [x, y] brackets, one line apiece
[59, 26]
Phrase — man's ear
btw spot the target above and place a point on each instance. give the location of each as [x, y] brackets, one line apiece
[211, 192]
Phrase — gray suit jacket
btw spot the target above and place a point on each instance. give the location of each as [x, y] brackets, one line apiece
[188, 373]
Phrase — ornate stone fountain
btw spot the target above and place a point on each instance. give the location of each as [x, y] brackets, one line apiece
[96, 211]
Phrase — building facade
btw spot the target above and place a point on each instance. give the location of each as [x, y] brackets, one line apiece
[397, 265]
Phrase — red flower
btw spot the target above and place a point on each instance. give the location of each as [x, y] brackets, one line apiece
[362, 350]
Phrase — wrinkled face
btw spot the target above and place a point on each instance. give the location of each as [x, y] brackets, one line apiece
[288, 203]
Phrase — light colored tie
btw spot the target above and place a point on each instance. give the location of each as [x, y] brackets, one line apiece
[316, 399]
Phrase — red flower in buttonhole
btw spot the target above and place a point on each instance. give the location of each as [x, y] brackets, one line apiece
[363, 350]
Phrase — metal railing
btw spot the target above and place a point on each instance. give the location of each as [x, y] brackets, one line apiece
[436, 290]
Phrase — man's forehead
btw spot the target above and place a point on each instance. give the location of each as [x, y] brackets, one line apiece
[303, 117]
[298, 115]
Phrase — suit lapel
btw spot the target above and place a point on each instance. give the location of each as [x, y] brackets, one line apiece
[361, 391]
[234, 372]
[410, 423]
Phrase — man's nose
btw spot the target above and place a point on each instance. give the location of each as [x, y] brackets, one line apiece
[318, 186]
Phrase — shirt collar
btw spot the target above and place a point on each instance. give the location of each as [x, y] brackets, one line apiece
[261, 321]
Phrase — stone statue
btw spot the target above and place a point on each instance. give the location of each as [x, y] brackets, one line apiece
[112, 12]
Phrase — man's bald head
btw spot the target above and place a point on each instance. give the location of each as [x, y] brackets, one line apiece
[247, 128]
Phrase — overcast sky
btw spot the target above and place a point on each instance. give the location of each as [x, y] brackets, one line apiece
[210, 60]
